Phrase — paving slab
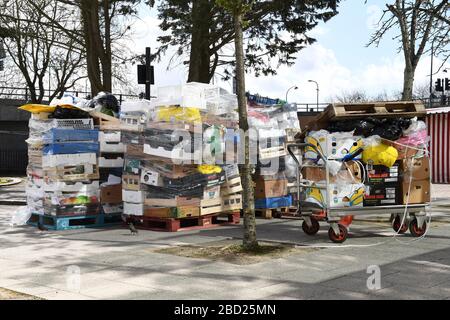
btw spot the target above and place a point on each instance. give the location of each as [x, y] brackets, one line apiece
[115, 265]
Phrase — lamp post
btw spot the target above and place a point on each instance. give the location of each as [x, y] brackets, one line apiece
[287, 92]
[317, 89]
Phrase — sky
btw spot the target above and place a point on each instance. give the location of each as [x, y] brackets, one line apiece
[339, 61]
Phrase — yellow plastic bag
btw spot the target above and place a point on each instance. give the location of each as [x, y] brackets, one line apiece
[38, 108]
[170, 114]
[380, 154]
[209, 169]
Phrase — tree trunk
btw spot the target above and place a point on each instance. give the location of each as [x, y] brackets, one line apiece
[106, 58]
[246, 168]
[93, 42]
[200, 61]
[408, 82]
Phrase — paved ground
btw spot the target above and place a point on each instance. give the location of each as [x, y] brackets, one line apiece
[114, 265]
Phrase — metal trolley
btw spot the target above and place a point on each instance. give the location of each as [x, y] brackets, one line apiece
[340, 218]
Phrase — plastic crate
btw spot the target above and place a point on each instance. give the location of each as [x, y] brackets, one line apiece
[71, 148]
[68, 135]
[75, 124]
[270, 203]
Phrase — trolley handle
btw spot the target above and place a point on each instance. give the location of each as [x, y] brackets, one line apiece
[301, 146]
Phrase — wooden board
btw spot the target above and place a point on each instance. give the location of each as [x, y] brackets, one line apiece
[106, 122]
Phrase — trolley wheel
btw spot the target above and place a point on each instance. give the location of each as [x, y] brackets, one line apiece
[415, 230]
[396, 225]
[343, 233]
[313, 229]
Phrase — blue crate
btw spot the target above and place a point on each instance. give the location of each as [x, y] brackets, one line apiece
[68, 135]
[58, 223]
[71, 148]
[272, 203]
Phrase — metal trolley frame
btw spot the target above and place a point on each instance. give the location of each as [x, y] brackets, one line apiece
[338, 217]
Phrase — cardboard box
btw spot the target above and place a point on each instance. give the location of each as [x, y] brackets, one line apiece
[270, 188]
[178, 212]
[210, 193]
[420, 192]
[111, 194]
[383, 175]
[341, 195]
[333, 145]
[352, 174]
[419, 169]
[382, 195]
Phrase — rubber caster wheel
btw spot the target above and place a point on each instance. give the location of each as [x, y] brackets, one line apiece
[343, 233]
[396, 226]
[415, 230]
[313, 229]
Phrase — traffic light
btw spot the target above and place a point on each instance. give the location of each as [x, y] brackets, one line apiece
[439, 85]
[447, 84]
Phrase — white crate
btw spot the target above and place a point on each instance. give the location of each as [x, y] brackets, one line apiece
[71, 187]
[334, 146]
[55, 160]
[34, 191]
[110, 163]
[131, 196]
[112, 136]
[112, 147]
[177, 154]
[112, 208]
[133, 209]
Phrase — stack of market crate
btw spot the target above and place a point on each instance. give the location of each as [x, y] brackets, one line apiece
[275, 126]
[133, 116]
[178, 179]
[110, 161]
[63, 186]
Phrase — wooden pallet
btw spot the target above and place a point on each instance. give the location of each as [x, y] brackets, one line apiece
[276, 212]
[186, 224]
[343, 111]
[74, 222]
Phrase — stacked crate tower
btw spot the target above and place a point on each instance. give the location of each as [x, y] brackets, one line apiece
[275, 127]
[63, 175]
[166, 185]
